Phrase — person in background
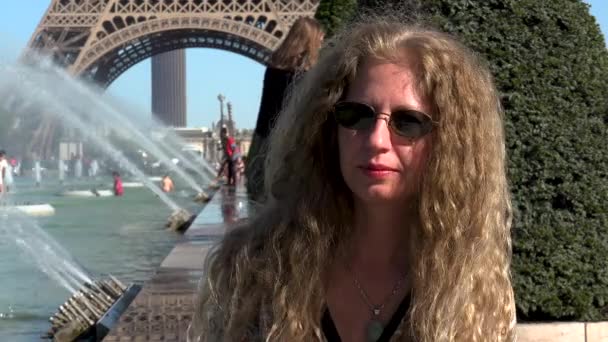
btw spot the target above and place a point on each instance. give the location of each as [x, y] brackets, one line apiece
[240, 168]
[296, 54]
[231, 155]
[14, 165]
[9, 179]
[72, 165]
[37, 171]
[17, 167]
[237, 159]
[78, 166]
[118, 189]
[93, 168]
[3, 171]
[388, 215]
[167, 184]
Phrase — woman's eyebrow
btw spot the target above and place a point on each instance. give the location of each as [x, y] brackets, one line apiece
[406, 107]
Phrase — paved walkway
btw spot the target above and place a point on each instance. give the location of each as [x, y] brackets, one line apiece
[163, 308]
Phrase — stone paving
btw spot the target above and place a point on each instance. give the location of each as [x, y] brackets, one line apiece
[163, 309]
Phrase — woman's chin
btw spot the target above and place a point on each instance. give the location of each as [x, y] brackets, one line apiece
[378, 194]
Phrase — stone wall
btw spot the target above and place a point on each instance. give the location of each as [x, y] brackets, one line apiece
[563, 332]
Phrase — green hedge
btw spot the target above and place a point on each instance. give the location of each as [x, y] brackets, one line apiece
[333, 14]
[551, 67]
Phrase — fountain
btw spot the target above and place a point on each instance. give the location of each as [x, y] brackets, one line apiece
[100, 109]
[131, 131]
[180, 220]
[49, 104]
[25, 208]
[170, 143]
[41, 248]
[96, 303]
[92, 309]
[171, 140]
[52, 106]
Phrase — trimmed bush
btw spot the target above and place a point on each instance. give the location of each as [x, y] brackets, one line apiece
[333, 14]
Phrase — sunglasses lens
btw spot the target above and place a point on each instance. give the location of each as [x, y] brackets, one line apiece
[359, 116]
[410, 124]
[354, 115]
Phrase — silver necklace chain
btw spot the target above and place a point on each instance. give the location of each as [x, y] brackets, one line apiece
[376, 309]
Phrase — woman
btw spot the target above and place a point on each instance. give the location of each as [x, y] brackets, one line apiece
[118, 188]
[3, 172]
[297, 53]
[389, 214]
[166, 184]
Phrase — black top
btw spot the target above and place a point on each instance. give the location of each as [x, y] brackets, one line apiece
[276, 82]
[331, 333]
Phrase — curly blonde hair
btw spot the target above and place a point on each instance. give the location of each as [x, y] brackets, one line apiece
[300, 49]
[267, 279]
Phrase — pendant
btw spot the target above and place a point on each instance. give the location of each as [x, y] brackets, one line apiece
[374, 330]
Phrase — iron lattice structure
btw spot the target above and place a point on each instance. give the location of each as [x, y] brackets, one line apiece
[100, 39]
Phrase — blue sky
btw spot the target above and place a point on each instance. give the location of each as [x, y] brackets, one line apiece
[210, 71]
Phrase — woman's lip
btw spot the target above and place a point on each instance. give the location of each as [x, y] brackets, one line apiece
[377, 173]
[378, 168]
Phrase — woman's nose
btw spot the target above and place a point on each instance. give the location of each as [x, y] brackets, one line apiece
[379, 135]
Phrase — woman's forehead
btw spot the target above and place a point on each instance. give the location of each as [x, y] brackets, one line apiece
[380, 81]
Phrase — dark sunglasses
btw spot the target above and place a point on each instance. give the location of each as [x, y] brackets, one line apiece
[407, 123]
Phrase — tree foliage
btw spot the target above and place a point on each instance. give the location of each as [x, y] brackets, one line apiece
[333, 14]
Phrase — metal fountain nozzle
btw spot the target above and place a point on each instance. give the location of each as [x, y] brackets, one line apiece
[82, 315]
[215, 184]
[202, 197]
[180, 220]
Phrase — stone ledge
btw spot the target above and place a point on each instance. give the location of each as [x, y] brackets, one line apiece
[551, 332]
[563, 332]
[597, 332]
[186, 255]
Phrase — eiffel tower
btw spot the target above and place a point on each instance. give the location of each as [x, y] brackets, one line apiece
[100, 39]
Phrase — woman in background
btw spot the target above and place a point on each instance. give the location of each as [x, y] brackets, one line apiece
[167, 184]
[118, 189]
[297, 54]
